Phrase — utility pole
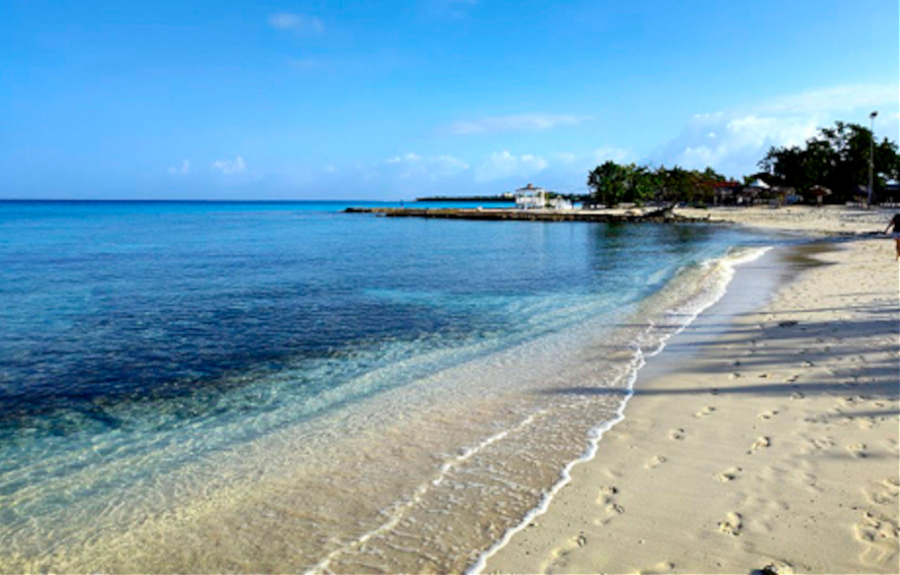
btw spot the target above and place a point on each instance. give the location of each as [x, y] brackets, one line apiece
[872, 156]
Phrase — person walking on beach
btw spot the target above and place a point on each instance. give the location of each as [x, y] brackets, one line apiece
[895, 224]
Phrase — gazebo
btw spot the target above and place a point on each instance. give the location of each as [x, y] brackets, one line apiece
[530, 197]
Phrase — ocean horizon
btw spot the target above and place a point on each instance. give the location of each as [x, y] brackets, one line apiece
[232, 385]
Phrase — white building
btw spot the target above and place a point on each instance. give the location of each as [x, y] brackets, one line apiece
[561, 204]
[530, 198]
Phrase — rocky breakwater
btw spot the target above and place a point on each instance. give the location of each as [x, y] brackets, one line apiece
[665, 215]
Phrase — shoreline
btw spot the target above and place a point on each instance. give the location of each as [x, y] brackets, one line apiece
[634, 507]
[641, 364]
[510, 445]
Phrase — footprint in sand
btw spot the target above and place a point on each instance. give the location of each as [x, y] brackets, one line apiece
[655, 461]
[729, 474]
[676, 434]
[820, 443]
[760, 443]
[807, 481]
[610, 512]
[606, 493]
[611, 509]
[559, 557]
[849, 401]
[705, 411]
[766, 415]
[884, 493]
[658, 569]
[732, 525]
[857, 450]
[878, 537]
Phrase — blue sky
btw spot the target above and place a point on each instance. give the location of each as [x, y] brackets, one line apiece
[389, 100]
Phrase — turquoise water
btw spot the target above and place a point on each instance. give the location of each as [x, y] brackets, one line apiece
[154, 356]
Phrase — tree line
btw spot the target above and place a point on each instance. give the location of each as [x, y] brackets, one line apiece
[612, 184]
[836, 158]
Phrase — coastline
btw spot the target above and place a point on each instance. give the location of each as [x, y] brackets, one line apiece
[418, 477]
[759, 259]
[481, 441]
[763, 437]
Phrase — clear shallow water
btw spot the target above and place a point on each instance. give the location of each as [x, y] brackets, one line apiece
[282, 386]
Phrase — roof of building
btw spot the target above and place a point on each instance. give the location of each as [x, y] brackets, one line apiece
[531, 188]
[759, 184]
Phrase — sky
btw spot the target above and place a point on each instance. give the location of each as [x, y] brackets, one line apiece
[393, 100]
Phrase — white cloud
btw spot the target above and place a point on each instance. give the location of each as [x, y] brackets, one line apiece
[182, 170]
[501, 165]
[408, 158]
[734, 142]
[834, 99]
[299, 23]
[514, 123]
[229, 167]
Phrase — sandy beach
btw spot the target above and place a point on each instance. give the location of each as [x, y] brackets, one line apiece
[761, 440]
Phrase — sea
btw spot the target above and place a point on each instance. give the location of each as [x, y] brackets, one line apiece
[282, 386]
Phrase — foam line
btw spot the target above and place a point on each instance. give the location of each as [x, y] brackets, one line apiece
[400, 510]
[729, 264]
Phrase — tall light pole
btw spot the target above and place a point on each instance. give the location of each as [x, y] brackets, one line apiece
[872, 155]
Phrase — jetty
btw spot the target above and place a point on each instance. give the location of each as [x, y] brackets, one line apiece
[661, 215]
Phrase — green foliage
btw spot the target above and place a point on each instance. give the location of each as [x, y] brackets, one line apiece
[609, 183]
[612, 184]
[837, 158]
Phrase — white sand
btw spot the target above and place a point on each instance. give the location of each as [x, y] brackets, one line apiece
[772, 444]
[807, 219]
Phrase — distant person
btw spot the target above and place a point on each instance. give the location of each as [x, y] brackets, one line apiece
[895, 224]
